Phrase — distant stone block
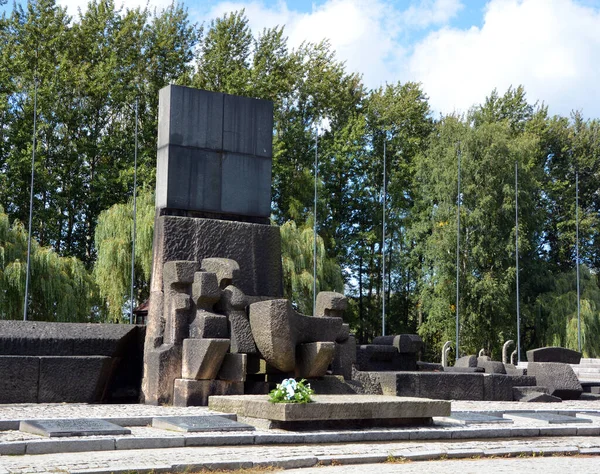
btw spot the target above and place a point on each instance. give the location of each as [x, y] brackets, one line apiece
[466, 361]
[344, 358]
[344, 333]
[248, 126]
[205, 290]
[497, 387]
[19, 376]
[242, 341]
[209, 325]
[491, 366]
[196, 392]
[202, 358]
[442, 385]
[558, 377]
[404, 343]
[554, 354]
[331, 304]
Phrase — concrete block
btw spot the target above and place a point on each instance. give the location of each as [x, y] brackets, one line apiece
[344, 358]
[554, 354]
[205, 290]
[491, 366]
[196, 392]
[466, 361]
[331, 304]
[233, 368]
[73, 379]
[277, 329]
[497, 387]
[443, 385]
[242, 340]
[209, 325]
[558, 377]
[313, 359]
[161, 367]
[190, 118]
[247, 126]
[227, 270]
[19, 375]
[202, 358]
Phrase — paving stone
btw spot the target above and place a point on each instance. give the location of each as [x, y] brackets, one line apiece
[150, 443]
[70, 427]
[190, 424]
[471, 418]
[550, 418]
[70, 446]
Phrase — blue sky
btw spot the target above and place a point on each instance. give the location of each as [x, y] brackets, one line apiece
[459, 50]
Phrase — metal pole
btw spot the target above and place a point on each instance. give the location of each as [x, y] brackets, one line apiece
[517, 259]
[315, 223]
[25, 305]
[577, 258]
[458, 199]
[383, 247]
[131, 320]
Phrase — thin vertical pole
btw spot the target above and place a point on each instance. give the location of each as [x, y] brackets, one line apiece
[517, 259]
[383, 246]
[315, 223]
[458, 199]
[26, 302]
[577, 258]
[135, 153]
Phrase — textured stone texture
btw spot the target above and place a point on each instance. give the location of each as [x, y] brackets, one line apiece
[19, 376]
[560, 379]
[205, 290]
[344, 333]
[162, 365]
[331, 304]
[196, 392]
[466, 361]
[519, 393]
[277, 329]
[344, 358]
[430, 366]
[539, 397]
[331, 407]
[313, 359]
[226, 270]
[491, 366]
[202, 358]
[214, 152]
[233, 368]
[209, 325]
[242, 341]
[372, 357]
[554, 354]
[255, 247]
[497, 387]
[73, 379]
[444, 386]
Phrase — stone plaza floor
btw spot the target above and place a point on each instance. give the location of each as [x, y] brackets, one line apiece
[149, 449]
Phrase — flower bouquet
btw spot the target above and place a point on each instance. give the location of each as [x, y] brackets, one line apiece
[290, 391]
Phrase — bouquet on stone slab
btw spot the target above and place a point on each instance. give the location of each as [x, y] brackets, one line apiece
[290, 391]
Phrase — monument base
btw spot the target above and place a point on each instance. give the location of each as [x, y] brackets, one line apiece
[332, 411]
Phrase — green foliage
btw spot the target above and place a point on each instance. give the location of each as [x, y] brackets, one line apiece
[113, 241]
[291, 391]
[60, 287]
[297, 251]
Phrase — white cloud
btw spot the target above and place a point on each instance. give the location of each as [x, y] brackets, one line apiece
[431, 12]
[551, 47]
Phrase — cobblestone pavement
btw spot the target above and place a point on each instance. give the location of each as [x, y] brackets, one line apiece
[541, 465]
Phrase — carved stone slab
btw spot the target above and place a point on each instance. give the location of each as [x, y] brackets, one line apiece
[190, 424]
[552, 418]
[72, 427]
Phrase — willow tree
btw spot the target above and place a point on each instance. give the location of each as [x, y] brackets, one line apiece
[297, 252]
[113, 240]
[61, 289]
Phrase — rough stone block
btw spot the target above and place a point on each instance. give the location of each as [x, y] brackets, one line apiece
[444, 386]
[233, 368]
[344, 358]
[539, 397]
[519, 393]
[559, 378]
[255, 247]
[259, 366]
[491, 366]
[465, 370]
[241, 333]
[277, 329]
[313, 359]
[232, 299]
[162, 365]
[209, 325]
[76, 379]
[554, 354]
[331, 304]
[202, 358]
[430, 366]
[179, 272]
[19, 375]
[196, 392]
[404, 343]
[344, 333]
[466, 361]
[226, 269]
[205, 290]
[178, 318]
[497, 387]
[371, 357]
